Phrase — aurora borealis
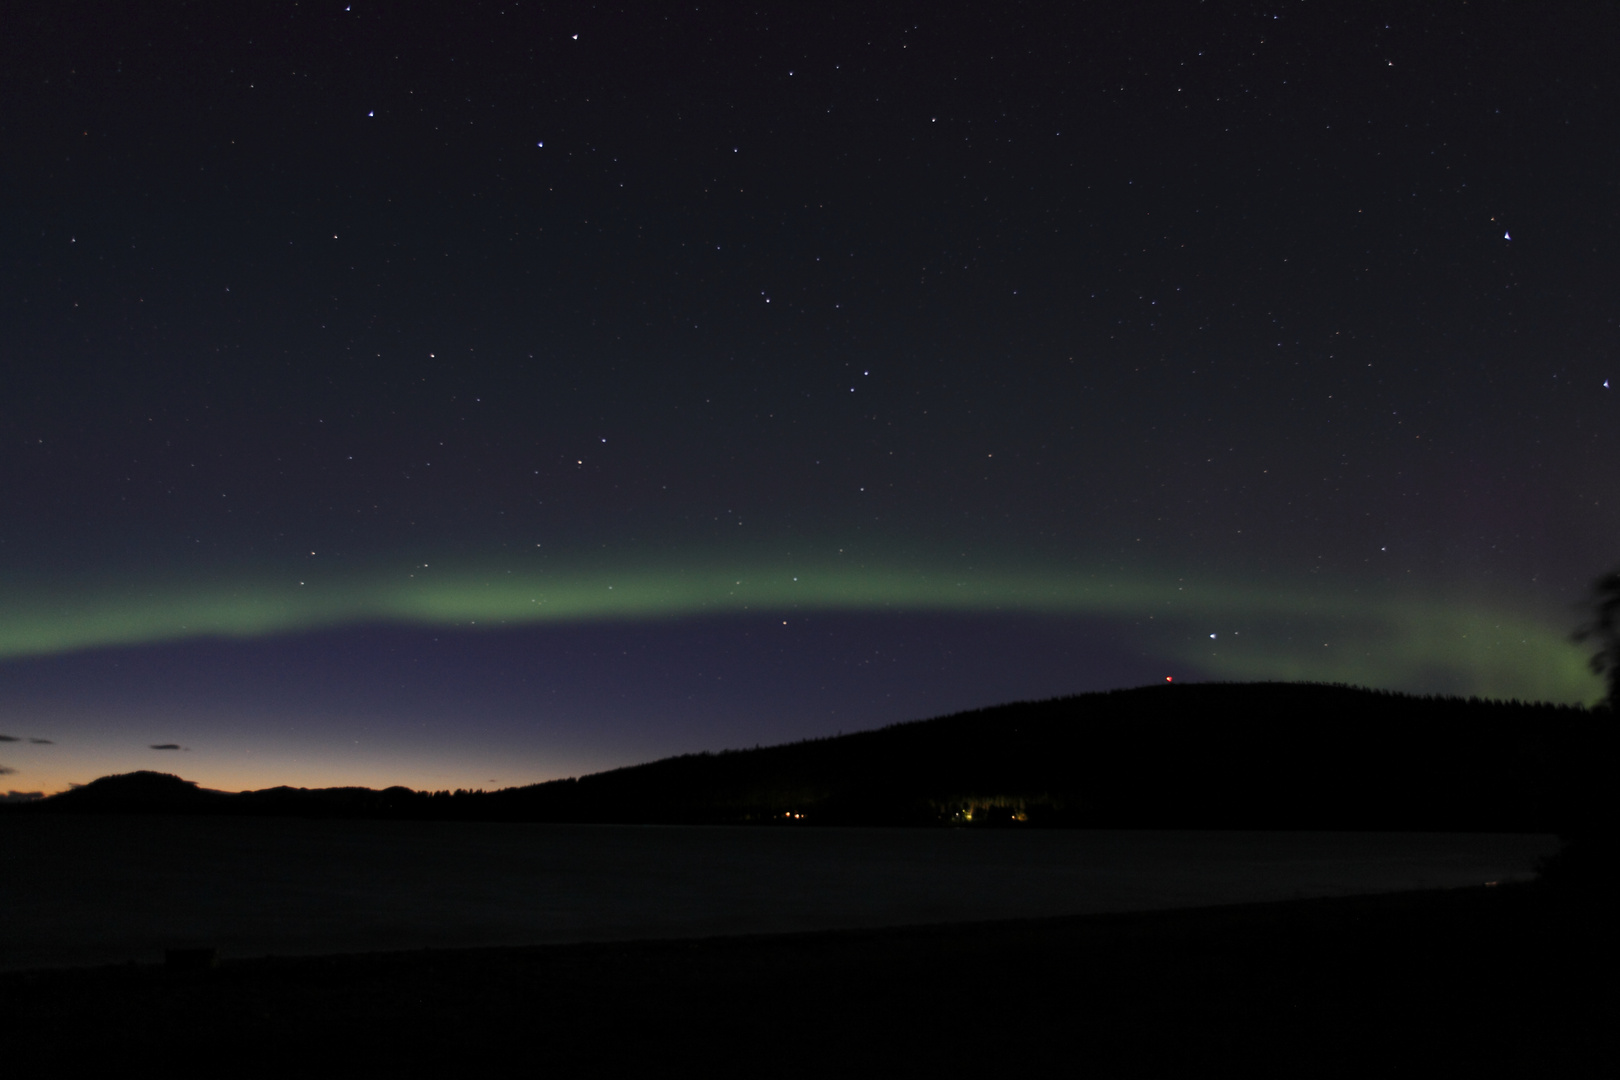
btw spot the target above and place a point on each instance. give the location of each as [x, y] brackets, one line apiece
[1377, 639]
[491, 393]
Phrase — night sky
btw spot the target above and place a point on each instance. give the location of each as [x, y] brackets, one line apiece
[468, 395]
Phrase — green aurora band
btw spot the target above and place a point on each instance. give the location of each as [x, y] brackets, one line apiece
[1352, 637]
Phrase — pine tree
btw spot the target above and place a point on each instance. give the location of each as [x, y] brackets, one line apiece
[1604, 629]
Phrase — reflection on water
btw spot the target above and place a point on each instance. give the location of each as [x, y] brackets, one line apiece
[90, 891]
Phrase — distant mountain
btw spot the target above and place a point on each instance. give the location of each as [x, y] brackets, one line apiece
[137, 792]
[1213, 755]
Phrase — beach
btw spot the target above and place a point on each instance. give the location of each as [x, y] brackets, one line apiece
[1493, 980]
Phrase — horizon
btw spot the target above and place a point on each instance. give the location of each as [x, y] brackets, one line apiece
[14, 796]
[465, 398]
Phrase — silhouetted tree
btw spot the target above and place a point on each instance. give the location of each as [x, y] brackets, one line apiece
[1604, 629]
[1590, 856]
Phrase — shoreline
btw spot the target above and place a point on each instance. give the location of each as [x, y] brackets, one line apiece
[1140, 922]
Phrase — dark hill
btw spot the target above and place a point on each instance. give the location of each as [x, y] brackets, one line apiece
[1263, 756]
[139, 792]
[1254, 756]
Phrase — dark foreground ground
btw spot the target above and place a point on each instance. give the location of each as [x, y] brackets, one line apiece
[1507, 980]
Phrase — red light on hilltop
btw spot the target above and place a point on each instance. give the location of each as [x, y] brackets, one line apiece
[1168, 679]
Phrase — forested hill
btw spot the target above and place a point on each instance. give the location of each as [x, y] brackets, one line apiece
[1213, 755]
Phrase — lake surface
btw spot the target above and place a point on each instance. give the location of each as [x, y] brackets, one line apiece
[83, 890]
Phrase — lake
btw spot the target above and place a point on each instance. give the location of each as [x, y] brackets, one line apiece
[85, 890]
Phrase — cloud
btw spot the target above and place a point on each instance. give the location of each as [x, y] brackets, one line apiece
[43, 742]
[9, 738]
[167, 746]
[21, 796]
[18, 738]
[6, 770]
